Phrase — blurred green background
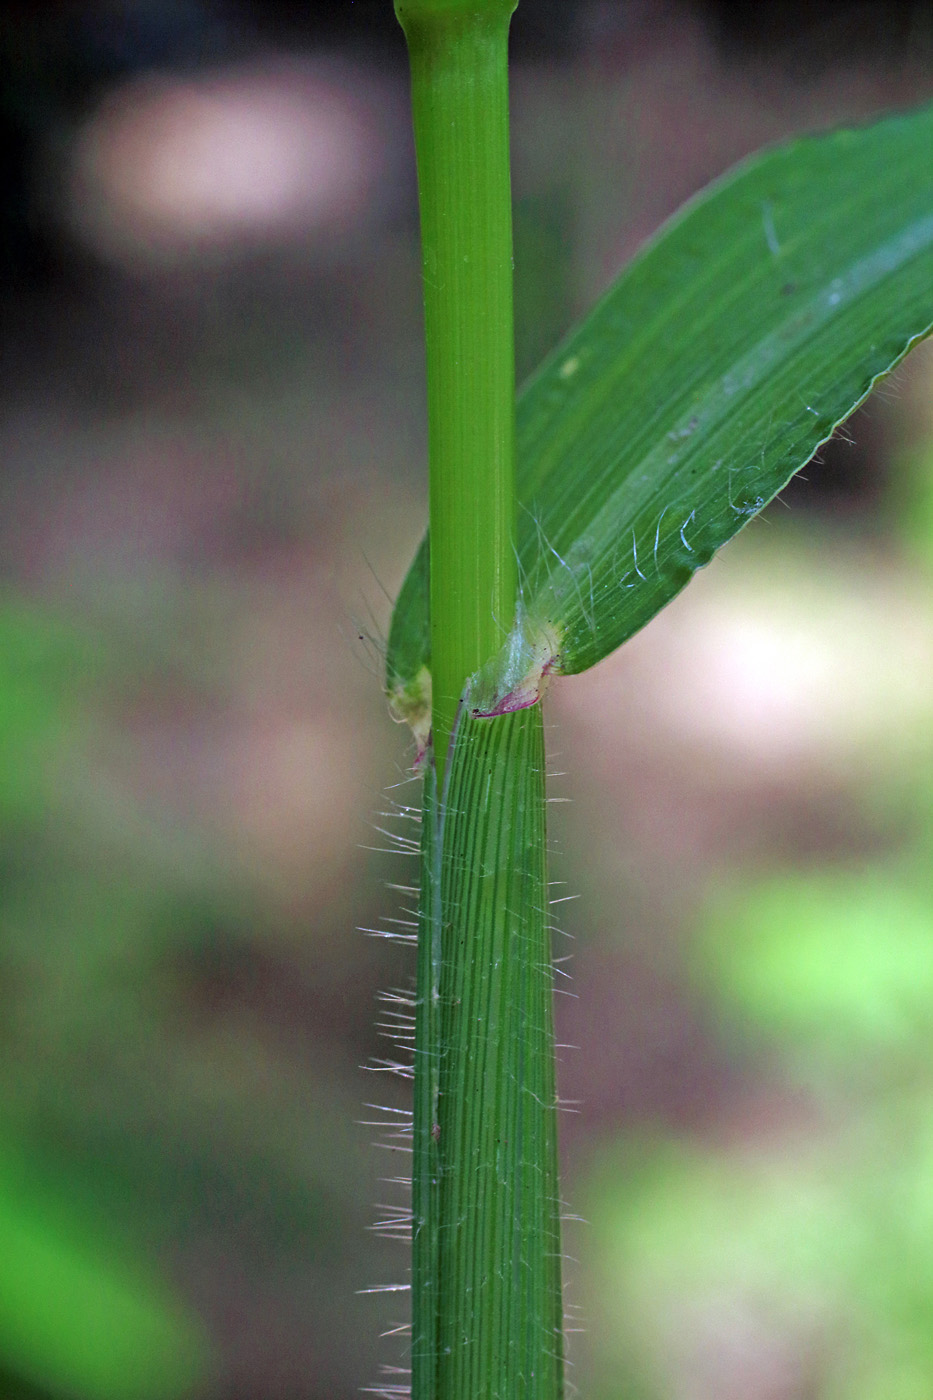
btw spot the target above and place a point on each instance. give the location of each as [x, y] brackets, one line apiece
[212, 482]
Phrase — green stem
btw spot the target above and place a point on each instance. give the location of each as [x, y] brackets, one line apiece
[486, 1294]
[459, 68]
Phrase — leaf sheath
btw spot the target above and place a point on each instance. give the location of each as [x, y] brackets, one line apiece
[490, 1211]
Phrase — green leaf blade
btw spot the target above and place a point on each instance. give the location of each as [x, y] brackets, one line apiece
[724, 355]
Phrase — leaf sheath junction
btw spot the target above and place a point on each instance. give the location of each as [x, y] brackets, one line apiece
[731, 347]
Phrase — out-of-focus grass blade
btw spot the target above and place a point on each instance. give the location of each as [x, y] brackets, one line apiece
[80, 1311]
[46, 663]
[491, 1206]
[726, 353]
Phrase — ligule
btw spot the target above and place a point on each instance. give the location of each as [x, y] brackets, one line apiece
[486, 1285]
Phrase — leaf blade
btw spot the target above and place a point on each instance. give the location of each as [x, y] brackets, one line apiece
[721, 359]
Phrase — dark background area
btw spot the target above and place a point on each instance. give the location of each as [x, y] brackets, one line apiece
[212, 480]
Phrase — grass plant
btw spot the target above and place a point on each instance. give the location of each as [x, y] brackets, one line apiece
[734, 344]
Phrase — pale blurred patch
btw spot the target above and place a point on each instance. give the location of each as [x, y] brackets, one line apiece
[788, 659]
[172, 168]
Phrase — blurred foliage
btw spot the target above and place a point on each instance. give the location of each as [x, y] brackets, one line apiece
[45, 662]
[803, 1254]
[81, 1310]
[188, 460]
[134, 1121]
[806, 1270]
[835, 966]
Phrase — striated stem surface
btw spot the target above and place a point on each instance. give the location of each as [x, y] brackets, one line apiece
[500, 1319]
[486, 1291]
[459, 80]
